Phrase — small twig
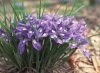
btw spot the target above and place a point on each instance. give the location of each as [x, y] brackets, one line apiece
[93, 35]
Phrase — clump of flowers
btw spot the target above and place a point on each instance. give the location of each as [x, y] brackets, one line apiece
[37, 44]
[61, 29]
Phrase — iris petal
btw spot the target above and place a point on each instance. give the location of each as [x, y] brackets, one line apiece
[2, 32]
[36, 45]
[21, 46]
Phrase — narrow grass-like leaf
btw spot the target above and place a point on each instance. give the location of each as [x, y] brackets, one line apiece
[7, 51]
[76, 10]
[14, 11]
[77, 5]
[31, 53]
[37, 61]
[18, 59]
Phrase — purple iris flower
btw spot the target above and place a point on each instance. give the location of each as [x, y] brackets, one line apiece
[85, 52]
[36, 45]
[2, 33]
[73, 45]
[21, 46]
[81, 40]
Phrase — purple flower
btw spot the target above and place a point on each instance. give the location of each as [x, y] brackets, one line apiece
[85, 52]
[30, 34]
[2, 33]
[21, 46]
[81, 40]
[36, 45]
[73, 45]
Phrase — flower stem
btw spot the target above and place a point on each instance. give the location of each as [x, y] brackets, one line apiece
[37, 61]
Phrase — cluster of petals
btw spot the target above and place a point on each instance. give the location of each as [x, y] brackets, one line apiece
[61, 29]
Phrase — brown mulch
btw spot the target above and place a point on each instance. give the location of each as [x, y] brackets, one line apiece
[81, 63]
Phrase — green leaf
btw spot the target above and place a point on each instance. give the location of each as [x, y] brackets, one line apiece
[7, 50]
[76, 10]
[77, 5]
[14, 7]
[18, 59]
[31, 53]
